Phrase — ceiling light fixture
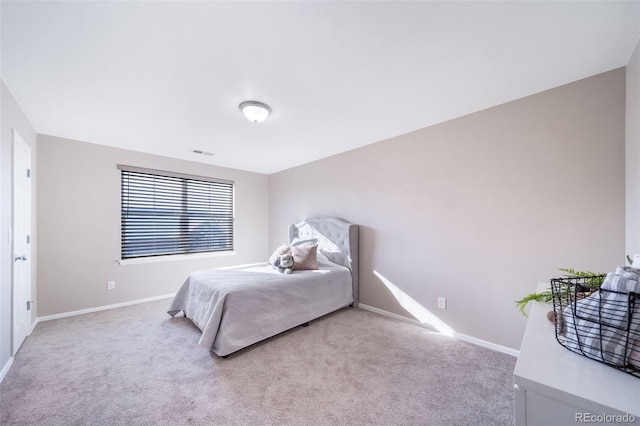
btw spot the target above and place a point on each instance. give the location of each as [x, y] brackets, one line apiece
[255, 111]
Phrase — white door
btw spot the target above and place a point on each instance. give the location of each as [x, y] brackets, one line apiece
[21, 241]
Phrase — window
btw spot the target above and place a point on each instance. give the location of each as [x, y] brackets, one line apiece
[166, 213]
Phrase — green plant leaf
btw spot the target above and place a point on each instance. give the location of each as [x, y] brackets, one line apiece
[593, 280]
[545, 296]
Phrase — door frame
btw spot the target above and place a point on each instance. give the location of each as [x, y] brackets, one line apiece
[19, 143]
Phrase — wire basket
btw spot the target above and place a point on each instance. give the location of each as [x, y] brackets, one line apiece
[601, 324]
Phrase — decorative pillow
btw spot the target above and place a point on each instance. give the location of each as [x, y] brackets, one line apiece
[283, 249]
[305, 256]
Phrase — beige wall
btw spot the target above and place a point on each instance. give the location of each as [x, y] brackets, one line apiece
[478, 209]
[79, 235]
[12, 117]
[632, 154]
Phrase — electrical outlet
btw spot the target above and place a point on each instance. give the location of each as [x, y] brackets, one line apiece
[111, 285]
[442, 303]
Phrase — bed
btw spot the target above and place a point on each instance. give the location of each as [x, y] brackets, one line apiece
[238, 306]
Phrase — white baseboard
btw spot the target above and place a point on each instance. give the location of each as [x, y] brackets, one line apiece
[5, 369]
[490, 345]
[103, 308]
[33, 326]
[460, 336]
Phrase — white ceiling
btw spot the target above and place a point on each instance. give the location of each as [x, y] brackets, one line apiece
[167, 77]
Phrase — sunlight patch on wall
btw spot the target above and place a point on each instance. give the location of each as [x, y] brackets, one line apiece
[307, 231]
[421, 313]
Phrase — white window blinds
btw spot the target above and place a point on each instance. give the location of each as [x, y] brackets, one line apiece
[166, 213]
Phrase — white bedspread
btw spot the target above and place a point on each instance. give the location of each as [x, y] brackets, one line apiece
[236, 307]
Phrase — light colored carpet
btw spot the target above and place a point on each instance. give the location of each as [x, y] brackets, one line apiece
[137, 366]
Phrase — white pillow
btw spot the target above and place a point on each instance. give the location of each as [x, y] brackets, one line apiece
[297, 242]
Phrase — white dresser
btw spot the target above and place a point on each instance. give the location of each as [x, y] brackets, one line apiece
[554, 386]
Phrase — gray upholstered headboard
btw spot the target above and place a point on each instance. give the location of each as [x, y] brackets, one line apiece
[337, 240]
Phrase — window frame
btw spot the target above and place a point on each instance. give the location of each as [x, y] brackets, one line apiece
[182, 200]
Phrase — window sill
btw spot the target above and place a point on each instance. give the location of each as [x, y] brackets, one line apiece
[173, 257]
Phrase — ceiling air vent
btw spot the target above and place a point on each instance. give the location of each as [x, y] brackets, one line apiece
[201, 152]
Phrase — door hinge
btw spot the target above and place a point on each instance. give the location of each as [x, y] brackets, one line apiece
[28, 305]
[28, 172]
[28, 239]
